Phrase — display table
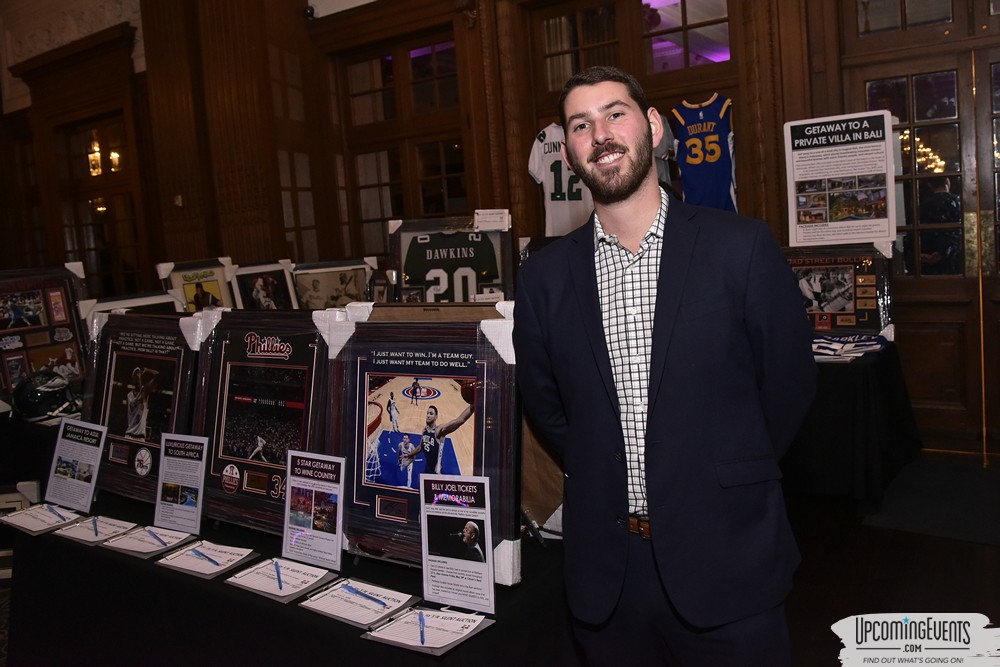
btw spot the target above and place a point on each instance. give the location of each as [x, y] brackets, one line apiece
[858, 433]
[74, 604]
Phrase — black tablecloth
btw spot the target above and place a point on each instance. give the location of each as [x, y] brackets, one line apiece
[74, 604]
[858, 433]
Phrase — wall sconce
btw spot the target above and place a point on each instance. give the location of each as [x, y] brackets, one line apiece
[94, 156]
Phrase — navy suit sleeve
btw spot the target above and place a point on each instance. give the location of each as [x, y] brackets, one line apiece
[781, 337]
[535, 378]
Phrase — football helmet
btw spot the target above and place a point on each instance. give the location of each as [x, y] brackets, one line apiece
[46, 395]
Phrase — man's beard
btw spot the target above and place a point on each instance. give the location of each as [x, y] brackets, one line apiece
[612, 186]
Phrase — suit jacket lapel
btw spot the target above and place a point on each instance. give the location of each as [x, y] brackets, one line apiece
[679, 235]
[583, 277]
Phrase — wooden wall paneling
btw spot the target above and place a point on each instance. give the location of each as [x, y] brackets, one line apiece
[240, 126]
[89, 77]
[518, 117]
[180, 155]
[475, 29]
[759, 114]
[823, 38]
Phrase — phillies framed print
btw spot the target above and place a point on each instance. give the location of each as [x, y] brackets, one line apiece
[140, 388]
[453, 259]
[261, 394]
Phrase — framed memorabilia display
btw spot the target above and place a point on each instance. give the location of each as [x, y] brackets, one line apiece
[261, 394]
[415, 395]
[201, 285]
[323, 285]
[845, 288]
[264, 287]
[140, 388]
[451, 259]
[40, 327]
[162, 303]
[382, 286]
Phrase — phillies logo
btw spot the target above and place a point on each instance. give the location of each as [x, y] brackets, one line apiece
[230, 478]
[267, 347]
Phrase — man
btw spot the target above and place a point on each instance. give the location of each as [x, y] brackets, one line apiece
[663, 352]
[137, 402]
[314, 298]
[470, 537]
[203, 299]
[393, 412]
[432, 438]
[406, 453]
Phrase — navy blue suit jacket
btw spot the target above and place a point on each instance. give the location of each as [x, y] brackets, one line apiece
[731, 377]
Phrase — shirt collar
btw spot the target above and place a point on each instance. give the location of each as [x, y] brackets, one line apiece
[655, 229]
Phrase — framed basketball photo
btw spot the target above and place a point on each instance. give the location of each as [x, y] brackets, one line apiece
[140, 388]
[422, 397]
[845, 289]
[451, 259]
[261, 395]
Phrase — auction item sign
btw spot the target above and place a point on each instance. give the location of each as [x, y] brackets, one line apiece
[840, 179]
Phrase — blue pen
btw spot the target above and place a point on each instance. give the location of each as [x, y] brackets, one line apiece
[156, 537]
[56, 512]
[204, 556]
[93, 520]
[423, 623]
[277, 571]
[361, 594]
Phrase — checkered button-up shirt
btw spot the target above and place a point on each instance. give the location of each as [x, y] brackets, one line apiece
[627, 290]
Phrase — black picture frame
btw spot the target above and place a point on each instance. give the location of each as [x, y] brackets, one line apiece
[261, 393]
[845, 288]
[160, 303]
[457, 364]
[264, 287]
[140, 388]
[199, 284]
[334, 284]
[452, 259]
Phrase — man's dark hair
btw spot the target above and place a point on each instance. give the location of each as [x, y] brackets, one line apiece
[599, 74]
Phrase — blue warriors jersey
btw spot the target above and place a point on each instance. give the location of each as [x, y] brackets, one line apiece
[451, 266]
[704, 143]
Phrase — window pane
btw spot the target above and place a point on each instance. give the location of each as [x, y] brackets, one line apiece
[889, 94]
[995, 72]
[709, 44]
[661, 15]
[876, 15]
[996, 139]
[937, 149]
[941, 252]
[922, 12]
[666, 53]
[598, 25]
[935, 96]
[939, 200]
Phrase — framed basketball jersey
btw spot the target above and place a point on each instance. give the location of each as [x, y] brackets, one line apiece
[703, 140]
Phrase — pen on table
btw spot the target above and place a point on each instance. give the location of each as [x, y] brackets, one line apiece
[201, 554]
[361, 594]
[156, 537]
[277, 572]
[93, 521]
[423, 623]
[56, 512]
